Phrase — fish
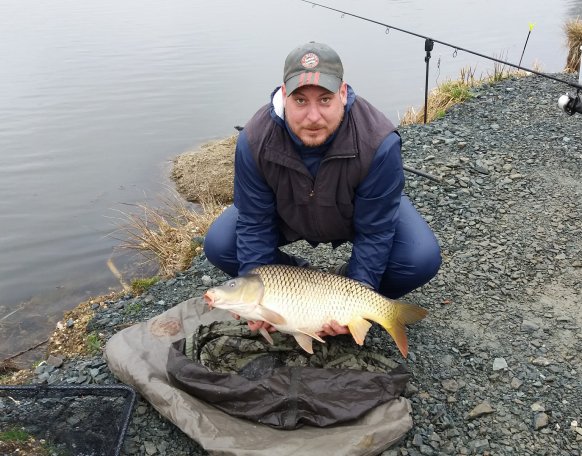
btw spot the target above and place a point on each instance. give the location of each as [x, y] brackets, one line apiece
[299, 301]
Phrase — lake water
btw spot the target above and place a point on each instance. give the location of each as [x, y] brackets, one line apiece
[97, 98]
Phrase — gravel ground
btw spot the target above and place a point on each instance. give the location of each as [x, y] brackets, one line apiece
[497, 365]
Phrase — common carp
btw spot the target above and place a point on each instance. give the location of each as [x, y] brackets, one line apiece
[299, 301]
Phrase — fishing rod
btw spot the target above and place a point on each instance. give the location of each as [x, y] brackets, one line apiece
[569, 104]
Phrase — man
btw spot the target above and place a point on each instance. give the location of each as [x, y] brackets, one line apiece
[322, 164]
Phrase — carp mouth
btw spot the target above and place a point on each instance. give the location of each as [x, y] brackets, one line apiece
[209, 298]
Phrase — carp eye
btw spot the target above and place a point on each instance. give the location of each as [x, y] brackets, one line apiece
[232, 283]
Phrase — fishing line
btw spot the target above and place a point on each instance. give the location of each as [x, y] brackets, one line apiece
[429, 41]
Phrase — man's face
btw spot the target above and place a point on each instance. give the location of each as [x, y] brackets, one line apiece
[314, 113]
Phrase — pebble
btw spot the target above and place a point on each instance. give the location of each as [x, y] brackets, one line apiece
[537, 407]
[450, 385]
[540, 421]
[506, 216]
[529, 326]
[484, 408]
[541, 361]
[55, 361]
[516, 383]
[499, 364]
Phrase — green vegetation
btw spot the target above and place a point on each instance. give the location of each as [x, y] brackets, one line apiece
[18, 441]
[139, 286]
[452, 92]
[14, 435]
[93, 342]
[133, 308]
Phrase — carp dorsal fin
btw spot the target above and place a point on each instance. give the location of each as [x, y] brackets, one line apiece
[270, 316]
[359, 328]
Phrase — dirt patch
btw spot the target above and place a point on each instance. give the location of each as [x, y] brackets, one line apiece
[70, 337]
[207, 172]
[28, 447]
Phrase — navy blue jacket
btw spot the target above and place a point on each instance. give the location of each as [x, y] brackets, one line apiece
[375, 206]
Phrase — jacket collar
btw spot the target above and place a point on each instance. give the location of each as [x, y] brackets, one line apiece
[342, 144]
[278, 114]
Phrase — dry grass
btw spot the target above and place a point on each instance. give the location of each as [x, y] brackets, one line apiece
[447, 94]
[207, 171]
[573, 31]
[452, 92]
[165, 235]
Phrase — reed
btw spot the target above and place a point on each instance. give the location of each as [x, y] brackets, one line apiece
[443, 97]
[573, 31]
[165, 235]
[451, 92]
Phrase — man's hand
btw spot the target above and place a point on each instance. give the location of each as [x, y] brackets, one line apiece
[333, 329]
[256, 325]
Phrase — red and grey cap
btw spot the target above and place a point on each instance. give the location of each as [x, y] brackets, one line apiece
[313, 64]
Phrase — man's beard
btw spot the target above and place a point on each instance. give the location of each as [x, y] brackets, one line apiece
[317, 143]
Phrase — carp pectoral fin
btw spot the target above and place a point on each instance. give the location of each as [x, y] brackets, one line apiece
[311, 334]
[267, 336]
[270, 316]
[305, 342]
[359, 328]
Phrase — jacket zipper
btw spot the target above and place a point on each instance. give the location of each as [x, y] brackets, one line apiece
[312, 191]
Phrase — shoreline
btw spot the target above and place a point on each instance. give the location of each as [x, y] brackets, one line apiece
[507, 216]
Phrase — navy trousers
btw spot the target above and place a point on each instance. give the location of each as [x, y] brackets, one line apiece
[414, 259]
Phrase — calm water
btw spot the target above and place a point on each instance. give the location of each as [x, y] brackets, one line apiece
[97, 97]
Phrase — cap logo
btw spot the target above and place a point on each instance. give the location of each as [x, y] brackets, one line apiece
[309, 60]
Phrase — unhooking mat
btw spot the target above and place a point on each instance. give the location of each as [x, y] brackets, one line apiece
[138, 356]
[279, 384]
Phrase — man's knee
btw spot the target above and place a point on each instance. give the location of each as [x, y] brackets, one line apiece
[212, 249]
[220, 241]
[428, 258]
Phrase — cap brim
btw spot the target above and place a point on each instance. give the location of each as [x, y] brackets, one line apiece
[329, 82]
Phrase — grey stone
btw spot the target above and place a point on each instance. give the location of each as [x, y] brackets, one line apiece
[541, 361]
[537, 407]
[499, 364]
[540, 421]
[426, 450]
[150, 448]
[478, 446]
[516, 383]
[450, 385]
[484, 408]
[529, 326]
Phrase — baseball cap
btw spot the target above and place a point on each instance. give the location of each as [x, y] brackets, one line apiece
[313, 64]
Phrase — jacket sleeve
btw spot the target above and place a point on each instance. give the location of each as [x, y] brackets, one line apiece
[257, 235]
[376, 213]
